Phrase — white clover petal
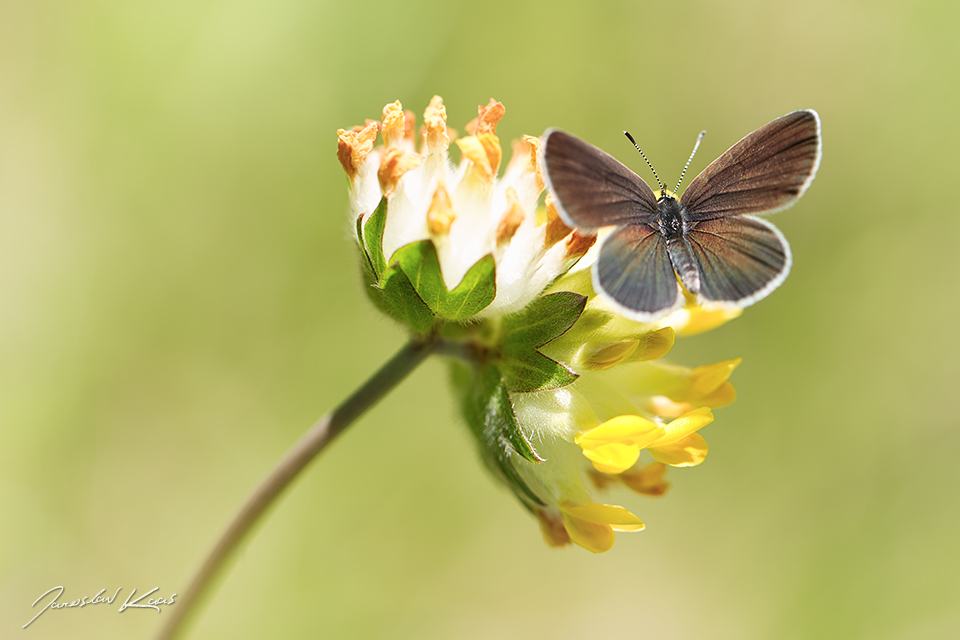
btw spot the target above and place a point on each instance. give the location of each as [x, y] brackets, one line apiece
[365, 194]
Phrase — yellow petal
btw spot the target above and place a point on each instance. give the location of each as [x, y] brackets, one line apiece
[610, 514]
[667, 408]
[720, 397]
[597, 538]
[683, 426]
[626, 429]
[705, 379]
[614, 446]
[696, 319]
[609, 354]
[653, 344]
[687, 452]
[613, 457]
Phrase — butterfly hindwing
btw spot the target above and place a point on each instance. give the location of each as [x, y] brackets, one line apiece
[634, 271]
[741, 258]
[592, 188]
[766, 171]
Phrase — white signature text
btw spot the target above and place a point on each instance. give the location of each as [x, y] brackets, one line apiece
[130, 603]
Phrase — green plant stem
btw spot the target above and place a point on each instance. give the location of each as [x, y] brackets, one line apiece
[296, 459]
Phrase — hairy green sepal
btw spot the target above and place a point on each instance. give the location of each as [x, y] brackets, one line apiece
[410, 287]
[477, 289]
[489, 414]
[525, 368]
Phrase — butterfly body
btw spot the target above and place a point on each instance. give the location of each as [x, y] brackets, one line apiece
[707, 239]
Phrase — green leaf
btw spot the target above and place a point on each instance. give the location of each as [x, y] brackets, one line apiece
[477, 289]
[373, 238]
[399, 299]
[489, 414]
[525, 368]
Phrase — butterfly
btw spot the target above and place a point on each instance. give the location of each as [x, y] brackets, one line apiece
[708, 240]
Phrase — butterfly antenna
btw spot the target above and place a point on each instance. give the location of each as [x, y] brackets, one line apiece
[663, 192]
[692, 153]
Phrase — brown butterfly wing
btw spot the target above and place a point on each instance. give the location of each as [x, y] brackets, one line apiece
[591, 188]
[742, 258]
[634, 272]
[766, 171]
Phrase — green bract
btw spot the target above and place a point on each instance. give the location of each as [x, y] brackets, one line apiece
[489, 414]
[545, 319]
[410, 288]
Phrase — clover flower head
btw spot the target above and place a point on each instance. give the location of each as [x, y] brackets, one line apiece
[470, 218]
[564, 396]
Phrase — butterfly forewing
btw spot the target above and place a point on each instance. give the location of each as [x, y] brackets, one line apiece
[592, 188]
[635, 271]
[766, 171]
[742, 258]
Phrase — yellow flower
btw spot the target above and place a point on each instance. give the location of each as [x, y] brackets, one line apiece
[615, 445]
[592, 525]
[593, 422]
[681, 445]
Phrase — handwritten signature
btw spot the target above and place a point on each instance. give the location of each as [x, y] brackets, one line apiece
[152, 603]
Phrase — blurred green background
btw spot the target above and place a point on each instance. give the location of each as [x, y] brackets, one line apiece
[179, 301]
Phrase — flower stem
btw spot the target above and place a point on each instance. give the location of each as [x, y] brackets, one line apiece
[297, 458]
